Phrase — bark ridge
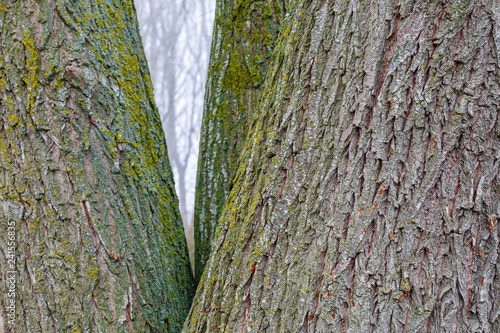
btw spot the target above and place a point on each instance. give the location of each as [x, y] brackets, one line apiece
[84, 174]
[367, 196]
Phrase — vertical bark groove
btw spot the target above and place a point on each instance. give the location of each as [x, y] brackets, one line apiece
[368, 185]
[84, 174]
[243, 40]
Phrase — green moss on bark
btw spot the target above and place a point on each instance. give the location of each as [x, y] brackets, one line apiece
[100, 239]
[244, 38]
[367, 194]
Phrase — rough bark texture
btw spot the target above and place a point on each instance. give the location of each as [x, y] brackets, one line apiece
[368, 197]
[244, 37]
[84, 174]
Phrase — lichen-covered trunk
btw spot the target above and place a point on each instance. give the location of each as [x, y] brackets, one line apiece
[244, 37]
[91, 234]
[367, 198]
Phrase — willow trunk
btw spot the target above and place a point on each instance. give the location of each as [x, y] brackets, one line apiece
[367, 195]
[244, 37]
[91, 236]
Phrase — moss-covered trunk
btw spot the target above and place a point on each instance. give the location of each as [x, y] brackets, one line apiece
[244, 37]
[85, 183]
[368, 195]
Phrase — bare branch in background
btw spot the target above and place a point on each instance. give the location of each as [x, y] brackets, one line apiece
[176, 37]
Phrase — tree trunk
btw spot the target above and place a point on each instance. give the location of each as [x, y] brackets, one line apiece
[244, 37]
[368, 197]
[85, 180]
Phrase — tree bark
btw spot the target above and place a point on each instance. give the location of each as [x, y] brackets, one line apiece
[367, 198]
[244, 37]
[85, 179]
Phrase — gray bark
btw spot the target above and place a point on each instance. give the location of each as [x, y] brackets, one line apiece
[367, 197]
[245, 35]
[84, 175]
